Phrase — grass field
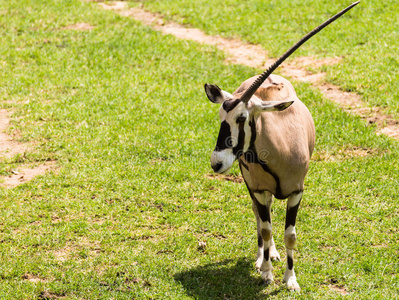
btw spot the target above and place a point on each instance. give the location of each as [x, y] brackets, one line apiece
[122, 110]
[367, 37]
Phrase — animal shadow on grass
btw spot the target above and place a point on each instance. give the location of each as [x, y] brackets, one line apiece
[225, 280]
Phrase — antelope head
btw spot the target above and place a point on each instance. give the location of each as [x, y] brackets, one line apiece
[237, 117]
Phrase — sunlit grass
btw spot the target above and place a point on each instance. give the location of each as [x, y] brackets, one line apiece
[366, 37]
[122, 110]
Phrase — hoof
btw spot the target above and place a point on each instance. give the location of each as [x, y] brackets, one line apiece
[292, 284]
[267, 277]
[267, 282]
[294, 287]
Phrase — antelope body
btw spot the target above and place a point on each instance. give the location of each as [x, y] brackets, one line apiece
[273, 137]
[282, 141]
[271, 132]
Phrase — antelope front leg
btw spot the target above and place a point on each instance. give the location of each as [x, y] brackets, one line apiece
[274, 255]
[290, 239]
[262, 202]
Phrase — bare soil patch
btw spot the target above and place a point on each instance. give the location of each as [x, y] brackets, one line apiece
[255, 56]
[47, 295]
[72, 248]
[9, 148]
[342, 154]
[338, 289]
[33, 278]
[79, 26]
[308, 61]
[26, 174]
[63, 254]
[233, 178]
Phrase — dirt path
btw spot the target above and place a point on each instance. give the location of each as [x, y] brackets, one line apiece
[9, 148]
[255, 56]
[26, 174]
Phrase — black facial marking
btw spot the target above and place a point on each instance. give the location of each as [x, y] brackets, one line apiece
[224, 139]
[290, 262]
[241, 118]
[290, 217]
[250, 155]
[217, 167]
[229, 105]
[237, 150]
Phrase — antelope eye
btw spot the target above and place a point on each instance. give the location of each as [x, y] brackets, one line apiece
[241, 119]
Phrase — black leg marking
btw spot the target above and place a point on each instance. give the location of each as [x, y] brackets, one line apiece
[266, 254]
[263, 212]
[262, 209]
[260, 241]
[290, 218]
[290, 263]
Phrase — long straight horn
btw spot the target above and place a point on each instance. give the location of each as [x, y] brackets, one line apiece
[257, 83]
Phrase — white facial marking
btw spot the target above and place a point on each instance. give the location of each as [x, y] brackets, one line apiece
[247, 130]
[222, 114]
[224, 157]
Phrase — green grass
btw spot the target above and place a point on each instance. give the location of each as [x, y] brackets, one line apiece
[122, 110]
[367, 37]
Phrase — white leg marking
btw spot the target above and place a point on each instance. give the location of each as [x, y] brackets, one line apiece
[259, 258]
[294, 199]
[264, 198]
[274, 255]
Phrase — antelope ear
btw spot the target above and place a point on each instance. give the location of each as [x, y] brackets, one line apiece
[262, 106]
[215, 94]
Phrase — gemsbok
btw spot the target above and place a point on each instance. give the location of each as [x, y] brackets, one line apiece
[271, 132]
